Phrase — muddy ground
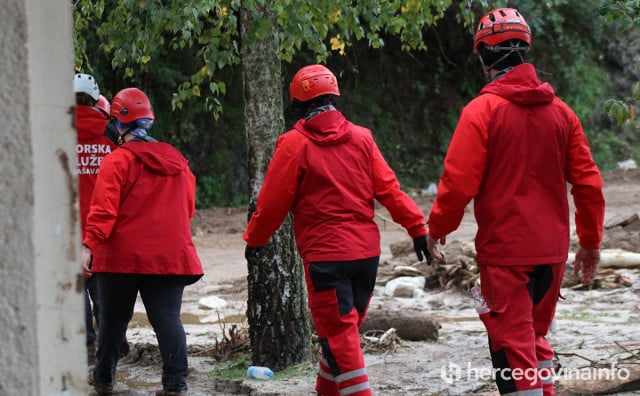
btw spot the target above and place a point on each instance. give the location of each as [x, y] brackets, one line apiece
[593, 328]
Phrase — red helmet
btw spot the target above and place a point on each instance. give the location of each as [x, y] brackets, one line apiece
[104, 106]
[499, 25]
[312, 81]
[131, 104]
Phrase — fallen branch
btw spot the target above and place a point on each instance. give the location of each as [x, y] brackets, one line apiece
[632, 353]
[626, 344]
[412, 326]
[379, 341]
[576, 355]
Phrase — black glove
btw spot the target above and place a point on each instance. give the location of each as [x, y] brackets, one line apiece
[420, 246]
[251, 254]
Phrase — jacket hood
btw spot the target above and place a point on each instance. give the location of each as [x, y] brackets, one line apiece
[90, 123]
[521, 86]
[325, 129]
[161, 158]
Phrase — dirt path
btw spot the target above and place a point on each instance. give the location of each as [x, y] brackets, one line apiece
[589, 324]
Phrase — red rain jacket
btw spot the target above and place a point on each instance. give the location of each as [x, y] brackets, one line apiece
[514, 150]
[91, 148]
[140, 214]
[328, 172]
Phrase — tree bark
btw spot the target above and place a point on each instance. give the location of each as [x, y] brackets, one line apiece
[279, 325]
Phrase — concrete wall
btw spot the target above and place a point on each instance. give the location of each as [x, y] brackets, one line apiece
[18, 354]
[41, 309]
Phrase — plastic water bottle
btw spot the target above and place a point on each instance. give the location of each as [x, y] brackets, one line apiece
[480, 304]
[259, 372]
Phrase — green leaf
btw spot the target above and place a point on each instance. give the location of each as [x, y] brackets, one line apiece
[618, 109]
[635, 91]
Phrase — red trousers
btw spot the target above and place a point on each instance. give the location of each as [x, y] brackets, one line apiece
[523, 303]
[339, 295]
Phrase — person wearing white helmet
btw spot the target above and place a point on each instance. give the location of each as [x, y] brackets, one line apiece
[86, 89]
[137, 241]
[91, 148]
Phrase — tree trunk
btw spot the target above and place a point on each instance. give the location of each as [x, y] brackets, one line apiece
[279, 325]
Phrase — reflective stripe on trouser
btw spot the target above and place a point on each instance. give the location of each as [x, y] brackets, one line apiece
[324, 373]
[338, 296]
[530, 392]
[546, 373]
[325, 381]
[523, 301]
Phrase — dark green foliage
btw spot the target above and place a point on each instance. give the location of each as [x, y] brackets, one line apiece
[608, 148]
[625, 16]
[412, 100]
[409, 99]
[626, 11]
[215, 147]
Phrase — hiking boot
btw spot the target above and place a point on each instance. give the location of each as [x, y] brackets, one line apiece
[171, 393]
[91, 353]
[101, 389]
[124, 349]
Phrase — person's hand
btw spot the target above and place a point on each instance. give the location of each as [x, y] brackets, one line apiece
[432, 246]
[251, 254]
[420, 246]
[587, 261]
[86, 261]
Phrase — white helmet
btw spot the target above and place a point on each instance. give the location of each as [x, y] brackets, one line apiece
[85, 83]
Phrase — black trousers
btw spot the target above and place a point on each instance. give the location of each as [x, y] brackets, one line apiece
[91, 308]
[162, 298]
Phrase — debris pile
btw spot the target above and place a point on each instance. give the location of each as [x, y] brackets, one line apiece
[459, 270]
[379, 341]
[234, 342]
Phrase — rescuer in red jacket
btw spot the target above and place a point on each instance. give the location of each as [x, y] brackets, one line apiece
[515, 148]
[111, 132]
[328, 172]
[138, 239]
[92, 146]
